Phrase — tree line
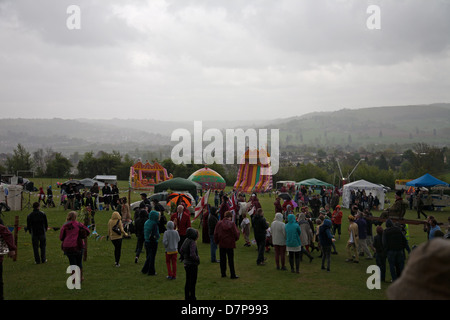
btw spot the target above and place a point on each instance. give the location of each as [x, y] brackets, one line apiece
[381, 167]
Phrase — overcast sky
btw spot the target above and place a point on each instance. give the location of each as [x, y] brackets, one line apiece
[219, 59]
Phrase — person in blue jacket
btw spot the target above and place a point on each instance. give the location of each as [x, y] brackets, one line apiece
[326, 242]
[293, 243]
[151, 237]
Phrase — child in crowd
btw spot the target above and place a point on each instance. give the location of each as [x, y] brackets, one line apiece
[245, 228]
[170, 241]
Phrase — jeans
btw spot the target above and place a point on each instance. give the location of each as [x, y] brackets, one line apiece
[224, 254]
[213, 248]
[326, 256]
[381, 262]
[75, 258]
[396, 261]
[117, 249]
[139, 246]
[261, 247]
[149, 265]
[294, 255]
[191, 281]
[39, 242]
[336, 227]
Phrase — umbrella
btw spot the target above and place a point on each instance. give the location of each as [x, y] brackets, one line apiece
[177, 198]
[75, 183]
[285, 196]
[87, 182]
[178, 184]
[293, 204]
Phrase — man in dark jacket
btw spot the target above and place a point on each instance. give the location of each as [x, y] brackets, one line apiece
[225, 235]
[394, 242]
[107, 195]
[260, 226]
[315, 205]
[37, 225]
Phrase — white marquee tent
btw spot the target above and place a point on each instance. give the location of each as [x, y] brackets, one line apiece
[369, 187]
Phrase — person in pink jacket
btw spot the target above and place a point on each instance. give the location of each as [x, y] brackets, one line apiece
[71, 235]
[8, 239]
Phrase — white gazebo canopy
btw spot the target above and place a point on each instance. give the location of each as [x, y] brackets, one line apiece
[367, 186]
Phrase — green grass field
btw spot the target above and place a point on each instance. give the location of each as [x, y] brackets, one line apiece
[24, 280]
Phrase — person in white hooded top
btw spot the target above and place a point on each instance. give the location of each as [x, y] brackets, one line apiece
[279, 240]
[170, 241]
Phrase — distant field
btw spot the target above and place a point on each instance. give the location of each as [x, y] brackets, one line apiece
[26, 281]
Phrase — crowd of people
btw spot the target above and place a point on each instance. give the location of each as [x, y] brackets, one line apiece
[291, 234]
[76, 197]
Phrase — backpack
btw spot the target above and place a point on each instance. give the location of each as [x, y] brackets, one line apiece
[71, 239]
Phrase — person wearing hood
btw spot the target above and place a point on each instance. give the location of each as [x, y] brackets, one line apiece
[115, 234]
[326, 241]
[140, 217]
[278, 228]
[50, 202]
[277, 204]
[260, 226]
[72, 235]
[170, 241]
[307, 234]
[226, 234]
[151, 237]
[191, 260]
[42, 196]
[394, 242]
[293, 242]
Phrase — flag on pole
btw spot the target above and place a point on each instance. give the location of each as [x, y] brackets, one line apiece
[233, 205]
[202, 203]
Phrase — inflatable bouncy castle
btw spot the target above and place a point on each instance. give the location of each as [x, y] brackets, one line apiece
[146, 176]
[254, 175]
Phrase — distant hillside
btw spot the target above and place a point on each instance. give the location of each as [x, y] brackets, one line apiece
[355, 128]
[382, 125]
[72, 135]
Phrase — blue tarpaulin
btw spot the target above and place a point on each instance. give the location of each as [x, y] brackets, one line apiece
[427, 180]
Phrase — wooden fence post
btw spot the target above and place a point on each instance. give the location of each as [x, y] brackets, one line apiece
[16, 232]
